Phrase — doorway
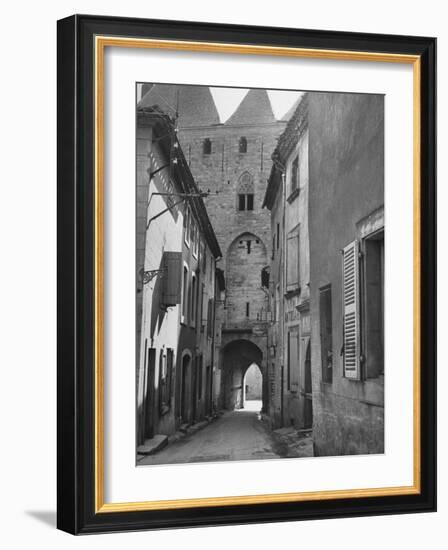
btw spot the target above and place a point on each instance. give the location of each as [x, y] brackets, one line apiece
[253, 388]
[186, 362]
[308, 403]
[149, 409]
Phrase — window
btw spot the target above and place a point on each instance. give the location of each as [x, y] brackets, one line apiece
[247, 309]
[202, 309]
[210, 318]
[206, 146]
[161, 379]
[277, 303]
[326, 334]
[202, 256]
[248, 246]
[373, 302]
[295, 174]
[278, 236]
[350, 295]
[194, 238]
[187, 225]
[242, 146]
[245, 202]
[293, 261]
[245, 192]
[171, 282]
[199, 378]
[193, 300]
[185, 294]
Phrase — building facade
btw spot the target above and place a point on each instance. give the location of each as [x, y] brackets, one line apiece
[326, 277]
[289, 281]
[346, 228]
[232, 162]
[176, 286]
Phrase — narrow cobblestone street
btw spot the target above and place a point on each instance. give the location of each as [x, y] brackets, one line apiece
[237, 435]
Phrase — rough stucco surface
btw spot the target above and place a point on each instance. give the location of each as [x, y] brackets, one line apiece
[346, 185]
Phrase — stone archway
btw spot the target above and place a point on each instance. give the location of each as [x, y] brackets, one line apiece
[237, 357]
[252, 384]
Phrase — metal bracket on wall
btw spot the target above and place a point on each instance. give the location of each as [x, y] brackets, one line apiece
[148, 276]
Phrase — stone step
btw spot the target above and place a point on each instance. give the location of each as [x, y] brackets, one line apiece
[153, 445]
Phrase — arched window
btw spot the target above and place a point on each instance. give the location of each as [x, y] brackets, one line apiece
[243, 145]
[245, 192]
[207, 146]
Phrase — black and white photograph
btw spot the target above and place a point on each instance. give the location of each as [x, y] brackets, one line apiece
[260, 235]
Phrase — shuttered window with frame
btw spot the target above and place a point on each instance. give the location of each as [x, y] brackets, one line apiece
[293, 261]
[172, 278]
[350, 294]
[210, 317]
[203, 307]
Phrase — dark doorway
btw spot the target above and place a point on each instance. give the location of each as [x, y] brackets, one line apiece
[237, 357]
[184, 389]
[308, 405]
[195, 394]
[208, 391]
[150, 394]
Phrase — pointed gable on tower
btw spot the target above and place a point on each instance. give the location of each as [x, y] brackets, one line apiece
[255, 108]
[194, 104]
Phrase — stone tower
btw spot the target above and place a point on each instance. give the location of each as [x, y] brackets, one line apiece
[233, 161]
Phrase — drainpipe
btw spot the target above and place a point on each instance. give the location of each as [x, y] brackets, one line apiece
[283, 287]
[212, 377]
[282, 168]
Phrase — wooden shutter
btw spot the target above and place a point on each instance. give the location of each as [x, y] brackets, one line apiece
[209, 317]
[204, 306]
[292, 260]
[350, 293]
[172, 277]
[295, 359]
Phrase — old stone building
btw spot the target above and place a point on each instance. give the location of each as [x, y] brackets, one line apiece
[326, 280]
[177, 286]
[232, 161]
[346, 228]
[289, 284]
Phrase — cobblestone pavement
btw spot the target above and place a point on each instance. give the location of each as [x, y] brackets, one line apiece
[236, 435]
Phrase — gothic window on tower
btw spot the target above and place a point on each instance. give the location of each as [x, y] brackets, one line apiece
[245, 192]
[243, 145]
[206, 146]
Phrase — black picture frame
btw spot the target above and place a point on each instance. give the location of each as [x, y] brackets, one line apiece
[76, 256]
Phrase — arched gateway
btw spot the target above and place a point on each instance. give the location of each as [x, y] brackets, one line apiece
[236, 358]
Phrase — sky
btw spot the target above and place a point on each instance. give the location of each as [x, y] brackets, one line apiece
[228, 99]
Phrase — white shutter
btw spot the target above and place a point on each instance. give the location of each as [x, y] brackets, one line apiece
[350, 282]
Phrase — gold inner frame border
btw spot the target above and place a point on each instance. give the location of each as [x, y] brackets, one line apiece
[100, 44]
